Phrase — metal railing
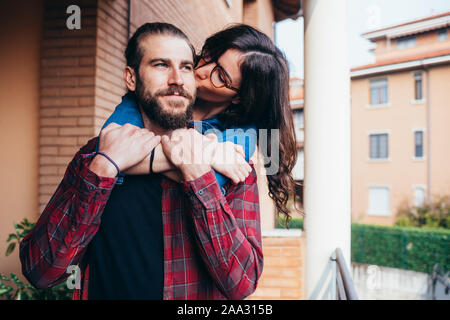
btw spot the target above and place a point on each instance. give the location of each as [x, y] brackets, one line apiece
[439, 284]
[345, 288]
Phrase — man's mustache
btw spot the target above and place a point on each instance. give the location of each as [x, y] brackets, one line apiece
[174, 90]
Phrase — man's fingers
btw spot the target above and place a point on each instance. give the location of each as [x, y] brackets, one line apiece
[247, 166]
[240, 150]
[211, 136]
[111, 126]
[244, 172]
[130, 126]
[153, 141]
[234, 178]
[240, 175]
[172, 150]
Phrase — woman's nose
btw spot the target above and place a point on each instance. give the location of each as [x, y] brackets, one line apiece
[202, 72]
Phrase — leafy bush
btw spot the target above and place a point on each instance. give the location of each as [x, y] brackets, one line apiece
[434, 214]
[12, 288]
[409, 248]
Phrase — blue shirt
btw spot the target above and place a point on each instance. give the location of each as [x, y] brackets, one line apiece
[128, 112]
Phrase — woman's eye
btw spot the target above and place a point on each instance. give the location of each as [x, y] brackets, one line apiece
[221, 77]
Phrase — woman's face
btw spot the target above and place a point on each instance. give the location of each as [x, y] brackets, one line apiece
[230, 63]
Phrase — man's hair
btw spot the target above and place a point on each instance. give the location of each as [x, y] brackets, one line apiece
[133, 52]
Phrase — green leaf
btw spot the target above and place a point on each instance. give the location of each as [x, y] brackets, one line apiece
[19, 295]
[5, 290]
[19, 226]
[10, 248]
[17, 281]
[11, 237]
[4, 278]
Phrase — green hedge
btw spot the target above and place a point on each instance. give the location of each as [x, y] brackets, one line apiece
[410, 248]
[295, 223]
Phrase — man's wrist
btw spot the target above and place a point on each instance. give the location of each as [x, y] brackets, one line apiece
[102, 167]
[193, 172]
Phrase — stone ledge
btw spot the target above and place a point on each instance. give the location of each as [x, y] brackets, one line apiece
[281, 233]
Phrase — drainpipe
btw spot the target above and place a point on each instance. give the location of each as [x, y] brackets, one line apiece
[428, 135]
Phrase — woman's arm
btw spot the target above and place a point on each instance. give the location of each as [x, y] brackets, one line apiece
[160, 164]
[226, 158]
[128, 112]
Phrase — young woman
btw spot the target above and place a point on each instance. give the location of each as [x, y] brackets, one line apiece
[242, 82]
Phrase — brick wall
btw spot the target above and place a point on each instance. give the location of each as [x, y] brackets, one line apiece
[81, 81]
[283, 273]
[67, 91]
[197, 18]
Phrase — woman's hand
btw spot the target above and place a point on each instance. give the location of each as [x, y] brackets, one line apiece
[229, 159]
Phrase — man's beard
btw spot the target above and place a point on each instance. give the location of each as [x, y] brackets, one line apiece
[154, 110]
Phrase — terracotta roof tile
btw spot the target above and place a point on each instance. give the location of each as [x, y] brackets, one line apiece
[404, 59]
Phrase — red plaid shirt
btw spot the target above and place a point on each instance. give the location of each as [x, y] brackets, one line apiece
[219, 255]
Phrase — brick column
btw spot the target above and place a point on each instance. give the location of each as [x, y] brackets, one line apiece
[112, 38]
[81, 81]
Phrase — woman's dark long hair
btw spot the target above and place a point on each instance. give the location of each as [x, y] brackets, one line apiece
[264, 99]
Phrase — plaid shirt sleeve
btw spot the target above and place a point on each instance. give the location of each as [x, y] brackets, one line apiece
[67, 224]
[228, 232]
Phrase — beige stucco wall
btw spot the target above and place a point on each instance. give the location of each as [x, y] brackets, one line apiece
[20, 36]
[400, 117]
[440, 130]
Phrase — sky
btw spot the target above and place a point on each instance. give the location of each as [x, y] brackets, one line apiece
[364, 15]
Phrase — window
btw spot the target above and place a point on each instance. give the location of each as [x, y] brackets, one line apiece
[379, 146]
[299, 168]
[442, 34]
[418, 144]
[419, 196]
[378, 91]
[298, 118]
[418, 86]
[379, 201]
[406, 42]
[299, 124]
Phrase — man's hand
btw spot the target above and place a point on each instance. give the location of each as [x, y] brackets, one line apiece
[229, 159]
[195, 154]
[184, 149]
[126, 145]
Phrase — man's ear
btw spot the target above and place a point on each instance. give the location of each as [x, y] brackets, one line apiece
[236, 99]
[130, 78]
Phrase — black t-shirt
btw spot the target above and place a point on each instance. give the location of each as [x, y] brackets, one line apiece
[126, 255]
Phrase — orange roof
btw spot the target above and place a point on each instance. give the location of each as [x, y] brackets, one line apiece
[404, 59]
[410, 22]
